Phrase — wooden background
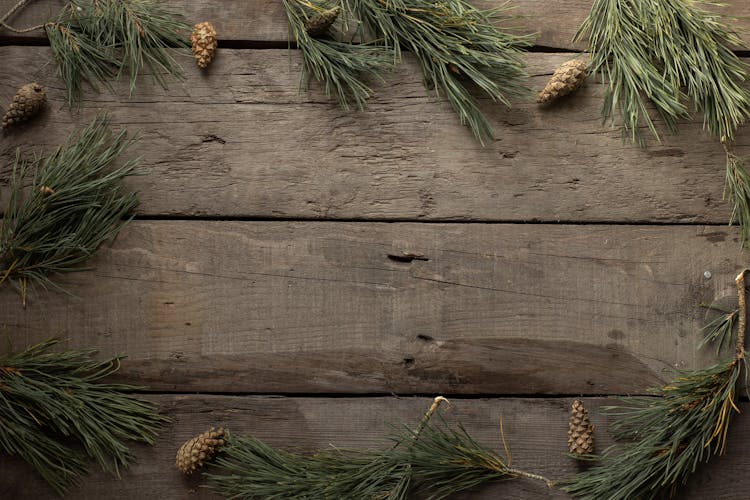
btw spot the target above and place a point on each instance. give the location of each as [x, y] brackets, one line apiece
[260, 287]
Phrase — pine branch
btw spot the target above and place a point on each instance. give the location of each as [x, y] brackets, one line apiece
[344, 68]
[719, 330]
[737, 191]
[648, 49]
[100, 40]
[458, 47]
[434, 460]
[62, 207]
[47, 398]
[671, 434]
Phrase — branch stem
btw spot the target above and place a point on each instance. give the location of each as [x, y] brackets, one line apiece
[531, 475]
[742, 324]
[429, 413]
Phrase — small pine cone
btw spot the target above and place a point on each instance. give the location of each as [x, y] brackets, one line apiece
[204, 43]
[28, 101]
[580, 430]
[197, 451]
[567, 79]
[318, 24]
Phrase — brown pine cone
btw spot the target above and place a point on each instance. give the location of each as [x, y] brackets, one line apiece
[580, 430]
[28, 102]
[204, 43]
[197, 451]
[568, 78]
[318, 24]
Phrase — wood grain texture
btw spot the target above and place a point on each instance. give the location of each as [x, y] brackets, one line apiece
[240, 141]
[535, 429]
[275, 307]
[555, 23]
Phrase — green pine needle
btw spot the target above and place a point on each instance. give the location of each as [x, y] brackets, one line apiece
[48, 398]
[62, 207]
[459, 48]
[99, 40]
[671, 434]
[719, 330]
[668, 435]
[666, 51]
[434, 461]
[344, 68]
[737, 190]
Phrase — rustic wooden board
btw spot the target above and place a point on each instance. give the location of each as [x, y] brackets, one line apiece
[265, 20]
[241, 142]
[321, 307]
[535, 429]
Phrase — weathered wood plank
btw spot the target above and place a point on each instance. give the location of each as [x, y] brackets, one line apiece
[555, 23]
[241, 141]
[535, 429]
[321, 307]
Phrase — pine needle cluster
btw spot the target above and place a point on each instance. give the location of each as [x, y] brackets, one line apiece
[50, 399]
[63, 206]
[435, 461]
[459, 48]
[344, 68]
[670, 53]
[99, 40]
[665, 52]
[668, 435]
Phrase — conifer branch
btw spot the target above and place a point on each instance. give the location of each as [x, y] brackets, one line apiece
[669, 435]
[49, 398]
[651, 50]
[459, 48]
[62, 207]
[99, 40]
[434, 460]
[344, 68]
[737, 191]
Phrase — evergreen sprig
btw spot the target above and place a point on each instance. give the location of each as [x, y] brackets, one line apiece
[458, 46]
[344, 68]
[433, 461]
[719, 330]
[99, 40]
[670, 434]
[49, 398]
[652, 50]
[96, 40]
[737, 190]
[63, 206]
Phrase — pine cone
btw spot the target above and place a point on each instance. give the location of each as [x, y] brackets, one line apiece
[567, 79]
[197, 451]
[28, 101]
[204, 43]
[318, 24]
[580, 430]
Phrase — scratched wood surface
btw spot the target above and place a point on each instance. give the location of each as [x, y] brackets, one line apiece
[291, 264]
[535, 430]
[326, 307]
[211, 152]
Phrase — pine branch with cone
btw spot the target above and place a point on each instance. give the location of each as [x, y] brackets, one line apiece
[435, 460]
[666, 437]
